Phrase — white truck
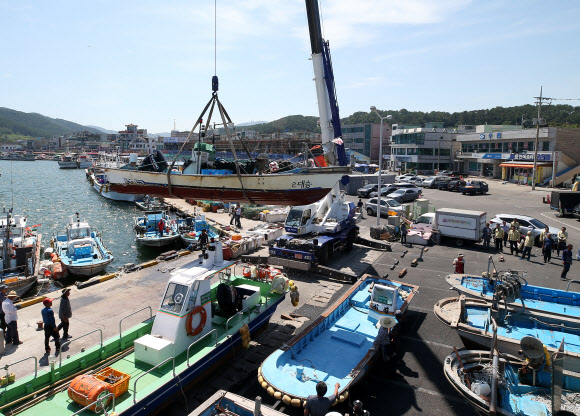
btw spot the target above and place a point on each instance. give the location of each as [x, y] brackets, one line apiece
[458, 224]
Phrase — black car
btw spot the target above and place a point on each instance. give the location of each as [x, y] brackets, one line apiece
[440, 182]
[476, 187]
[366, 190]
[454, 185]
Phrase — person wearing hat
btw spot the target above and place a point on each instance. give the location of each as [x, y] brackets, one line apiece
[11, 317]
[383, 338]
[459, 264]
[528, 244]
[3, 293]
[50, 328]
[64, 313]
[319, 405]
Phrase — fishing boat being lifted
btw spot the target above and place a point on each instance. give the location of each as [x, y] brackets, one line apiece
[257, 181]
[198, 324]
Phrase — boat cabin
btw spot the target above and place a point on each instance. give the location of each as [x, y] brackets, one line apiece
[384, 300]
[151, 219]
[191, 308]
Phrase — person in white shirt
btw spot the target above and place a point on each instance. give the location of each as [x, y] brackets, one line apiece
[238, 216]
[11, 318]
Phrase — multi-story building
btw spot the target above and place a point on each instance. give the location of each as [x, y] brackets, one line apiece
[423, 149]
[133, 140]
[507, 152]
[364, 139]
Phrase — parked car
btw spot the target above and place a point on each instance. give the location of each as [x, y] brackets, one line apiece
[387, 204]
[434, 181]
[526, 224]
[455, 184]
[457, 174]
[576, 211]
[441, 183]
[475, 187]
[406, 194]
[386, 190]
[444, 173]
[366, 190]
[405, 177]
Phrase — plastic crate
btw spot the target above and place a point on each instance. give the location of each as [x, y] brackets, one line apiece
[120, 387]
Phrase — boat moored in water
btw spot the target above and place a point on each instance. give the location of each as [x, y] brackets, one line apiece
[68, 161]
[346, 330]
[81, 249]
[147, 229]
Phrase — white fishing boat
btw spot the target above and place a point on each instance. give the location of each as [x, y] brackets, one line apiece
[68, 162]
[20, 251]
[84, 161]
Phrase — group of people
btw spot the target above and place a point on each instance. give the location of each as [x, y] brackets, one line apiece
[236, 216]
[9, 318]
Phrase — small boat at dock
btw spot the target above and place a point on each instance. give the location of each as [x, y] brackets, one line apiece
[224, 402]
[84, 161]
[336, 347]
[20, 251]
[147, 231]
[205, 313]
[81, 249]
[191, 228]
[68, 161]
[149, 203]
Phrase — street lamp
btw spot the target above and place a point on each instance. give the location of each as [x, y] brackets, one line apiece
[439, 153]
[374, 109]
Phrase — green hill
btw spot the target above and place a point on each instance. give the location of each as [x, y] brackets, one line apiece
[18, 123]
[288, 123]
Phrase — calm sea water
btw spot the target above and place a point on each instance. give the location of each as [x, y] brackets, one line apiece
[48, 195]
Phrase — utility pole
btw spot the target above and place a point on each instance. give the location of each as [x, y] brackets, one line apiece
[536, 143]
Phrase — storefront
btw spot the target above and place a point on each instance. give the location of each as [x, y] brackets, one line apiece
[522, 172]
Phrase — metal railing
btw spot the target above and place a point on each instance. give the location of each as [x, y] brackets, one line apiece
[570, 282]
[196, 341]
[75, 339]
[131, 314]
[147, 372]
[102, 402]
[24, 359]
[238, 313]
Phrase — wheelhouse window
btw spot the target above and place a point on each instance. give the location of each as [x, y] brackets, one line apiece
[174, 298]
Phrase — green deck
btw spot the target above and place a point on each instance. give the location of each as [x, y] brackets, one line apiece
[60, 402]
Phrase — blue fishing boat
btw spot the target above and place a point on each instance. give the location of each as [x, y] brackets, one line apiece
[512, 287]
[81, 249]
[147, 229]
[540, 385]
[346, 330]
[191, 228]
[474, 321]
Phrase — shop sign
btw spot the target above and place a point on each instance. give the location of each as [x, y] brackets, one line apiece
[529, 156]
[404, 158]
[491, 156]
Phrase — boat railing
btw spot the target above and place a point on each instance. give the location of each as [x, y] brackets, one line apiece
[214, 331]
[249, 308]
[494, 339]
[570, 282]
[24, 359]
[75, 339]
[131, 314]
[147, 372]
[100, 402]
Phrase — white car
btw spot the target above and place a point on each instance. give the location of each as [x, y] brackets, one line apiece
[405, 177]
[526, 224]
[387, 204]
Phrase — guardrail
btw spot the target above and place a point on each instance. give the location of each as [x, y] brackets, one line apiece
[102, 402]
[196, 341]
[24, 359]
[232, 317]
[570, 282]
[131, 314]
[147, 372]
[75, 339]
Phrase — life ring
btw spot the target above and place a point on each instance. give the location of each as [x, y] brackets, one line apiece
[191, 331]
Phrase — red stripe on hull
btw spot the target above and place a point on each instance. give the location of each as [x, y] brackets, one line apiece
[280, 197]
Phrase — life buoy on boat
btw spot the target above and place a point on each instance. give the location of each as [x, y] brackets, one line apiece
[203, 314]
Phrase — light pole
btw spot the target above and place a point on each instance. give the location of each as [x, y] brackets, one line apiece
[374, 109]
[438, 153]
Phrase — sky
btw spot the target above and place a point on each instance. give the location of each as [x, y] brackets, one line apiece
[110, 63]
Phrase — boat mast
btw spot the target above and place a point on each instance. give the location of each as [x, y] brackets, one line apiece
[325, 87]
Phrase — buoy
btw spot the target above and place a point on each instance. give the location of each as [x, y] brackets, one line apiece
[260, 379]
[295, 402]
[11, 377]
[277, 395]
[270, 390]
[286, 399]
[264, 385]
[3, 381]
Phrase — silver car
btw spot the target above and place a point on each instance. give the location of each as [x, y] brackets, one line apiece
[406, 194]
[386, 205]
[526, 224]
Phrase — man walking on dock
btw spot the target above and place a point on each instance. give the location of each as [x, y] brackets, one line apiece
[11, 317]
[50, 328]
[238, 214]
[64, 313]
[3, 293]
[567, 261]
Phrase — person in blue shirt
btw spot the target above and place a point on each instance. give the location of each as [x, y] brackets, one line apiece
[50, 328]
[567, 261]
[547, 246]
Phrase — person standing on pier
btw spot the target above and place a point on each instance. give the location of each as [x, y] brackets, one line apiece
[64, 313]
[459, 264]
[528, 244]
[3, 293]
[403, 232]
[50, 328]
[547, 245]
[567, 261]
[499, 235]
[514, 238]
[238, 216]
[562, 239]
[486, 235]
[11, 317]
[506, 229]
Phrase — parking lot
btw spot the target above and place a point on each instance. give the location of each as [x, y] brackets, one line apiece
[419, 385]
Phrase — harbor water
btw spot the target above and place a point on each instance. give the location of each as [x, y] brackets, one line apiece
[48, 196]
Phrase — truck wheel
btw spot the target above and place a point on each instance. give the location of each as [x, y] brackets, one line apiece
[350, 240]
[323, 259]
[463, 192]
[459, 242]
[370, 212]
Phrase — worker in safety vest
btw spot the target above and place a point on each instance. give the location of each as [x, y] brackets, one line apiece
[459, 264]
[514, 239]
[498, 235]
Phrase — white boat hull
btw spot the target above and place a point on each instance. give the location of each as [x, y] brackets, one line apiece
[105, 191]
[158, 242]
[88, 270]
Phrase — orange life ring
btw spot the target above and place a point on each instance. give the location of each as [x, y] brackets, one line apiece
[246, 272]
[191, 331]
